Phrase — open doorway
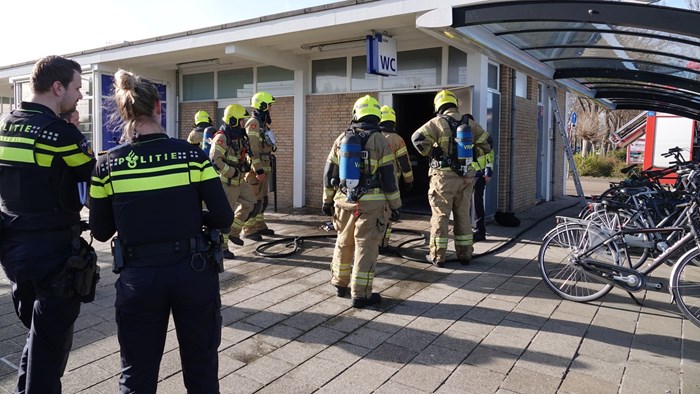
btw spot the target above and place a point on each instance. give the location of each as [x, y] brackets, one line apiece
[412, 111]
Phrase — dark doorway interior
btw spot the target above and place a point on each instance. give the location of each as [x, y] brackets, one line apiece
[412, 111]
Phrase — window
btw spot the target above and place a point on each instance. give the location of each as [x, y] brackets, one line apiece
[198, 86]
[234, 83]
[84, 108]
[6, 104]
[360, 80]
[276, 81]
[492, 81]
[456, 67]
[520, 84]
[328, 75]
[416, 69]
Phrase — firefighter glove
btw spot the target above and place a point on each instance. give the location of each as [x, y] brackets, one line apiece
[395, 215]
[436, 153]
[327, 208]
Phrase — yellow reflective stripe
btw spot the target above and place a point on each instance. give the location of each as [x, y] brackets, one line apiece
[438, 242]
[464, 240]
[387, 234]
[328, 192]
[408, 175]
[209, 173]
[341, 267]
[365, 274]
[445, 139]
[21, 155]
[393, 196]
[44, 160]
[77, 159]
[373, 197]
[237, 223]
[18, 140]
[481, 139]
[99, 188]
[387, 159]
[401, 151]
[57, 148]
[157, 182]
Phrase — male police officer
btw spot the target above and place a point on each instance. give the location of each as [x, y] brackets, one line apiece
[203, 131]
[402, 164]
[457, 147]
[230, 154]
[263, 143]
[42, 158]
[359, 181]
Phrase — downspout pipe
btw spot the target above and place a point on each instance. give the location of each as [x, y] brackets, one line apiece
[511, 166]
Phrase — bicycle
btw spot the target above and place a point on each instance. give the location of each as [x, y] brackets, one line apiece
[580, 261]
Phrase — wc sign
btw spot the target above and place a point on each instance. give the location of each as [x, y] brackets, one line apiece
[381, 55]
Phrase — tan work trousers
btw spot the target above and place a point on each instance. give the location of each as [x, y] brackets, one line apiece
[241, 199]
[259, 190]
[360, 229]
[450, 193]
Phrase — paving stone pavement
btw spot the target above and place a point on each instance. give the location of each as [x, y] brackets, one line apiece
[490, 327]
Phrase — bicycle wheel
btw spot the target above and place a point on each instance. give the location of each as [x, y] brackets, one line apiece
[559, 269]
[685, 285]
[639, 246]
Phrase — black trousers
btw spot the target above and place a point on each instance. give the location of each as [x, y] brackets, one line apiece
[478, 204]
[30, 263]
[146, 296]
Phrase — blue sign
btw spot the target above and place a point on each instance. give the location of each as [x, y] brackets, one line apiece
[111, 124]
[573, 118]
[381, 55]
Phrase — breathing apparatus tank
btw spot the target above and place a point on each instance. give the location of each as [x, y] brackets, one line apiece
[464, 140]
[206, 139]
[350, 166]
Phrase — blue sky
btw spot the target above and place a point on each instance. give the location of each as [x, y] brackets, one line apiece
[58, 27]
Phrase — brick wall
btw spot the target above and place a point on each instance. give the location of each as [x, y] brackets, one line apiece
[186, 117]
[525, 159]
[326, 117]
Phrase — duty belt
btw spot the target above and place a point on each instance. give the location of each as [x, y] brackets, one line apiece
[141, 255]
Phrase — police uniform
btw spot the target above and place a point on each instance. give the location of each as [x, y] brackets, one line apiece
[42, 159]
[256, 126]
[478, 221]
[361, 222]
[450, 191]
[150, 191]
[402, 163]
[229, 154]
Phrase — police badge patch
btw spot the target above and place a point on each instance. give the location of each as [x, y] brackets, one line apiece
[86, 148]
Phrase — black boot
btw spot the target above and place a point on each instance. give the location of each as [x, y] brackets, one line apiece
[362, 302]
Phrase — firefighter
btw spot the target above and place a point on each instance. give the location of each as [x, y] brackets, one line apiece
[230, 153]
[263, 143]
[42, 158]
[457, 147]
[203, 131]
[149, 190]
[359, 182]
[402, 164]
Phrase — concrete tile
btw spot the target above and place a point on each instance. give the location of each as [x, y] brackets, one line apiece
[440, 357]
[525, 381]
[577, 383]
[265, 369]
[420, 377]
[491, 359]
[316, 371]
[471, 379]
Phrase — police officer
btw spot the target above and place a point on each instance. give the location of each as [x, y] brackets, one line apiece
[42, 158]
[203, 131]
[457, 147]
[481, 178]
[263, 143]
[150, 190]
[402, 164]
[359, 182]
[230, 154]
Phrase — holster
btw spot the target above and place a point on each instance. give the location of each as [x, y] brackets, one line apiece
[79, 275]
[210, 245]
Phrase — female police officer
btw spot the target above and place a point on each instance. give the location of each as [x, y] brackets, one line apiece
[150, 190]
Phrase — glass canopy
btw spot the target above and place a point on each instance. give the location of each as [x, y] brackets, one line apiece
[641, 54]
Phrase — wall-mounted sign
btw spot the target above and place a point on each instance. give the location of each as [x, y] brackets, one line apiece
[381, 55]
